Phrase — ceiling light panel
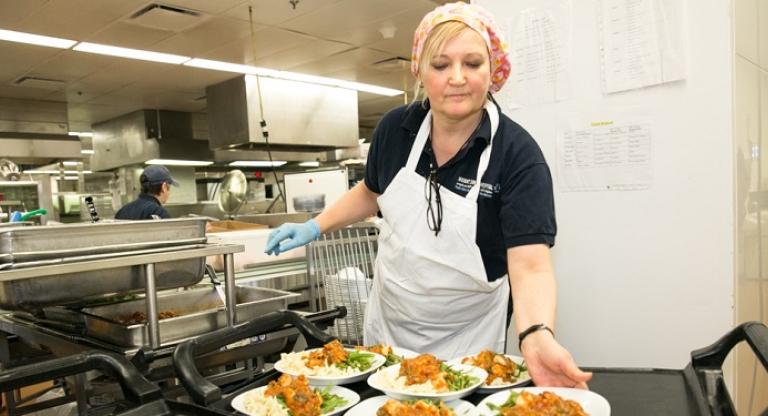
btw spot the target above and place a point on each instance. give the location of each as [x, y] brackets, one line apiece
[258, 163]
[131, 53]
[174, 162]
[33, 39]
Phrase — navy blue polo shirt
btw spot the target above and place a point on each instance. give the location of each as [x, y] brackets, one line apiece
[145, 207]
[516, 203]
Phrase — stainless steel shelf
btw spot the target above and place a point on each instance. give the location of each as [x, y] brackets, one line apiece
[133, 260]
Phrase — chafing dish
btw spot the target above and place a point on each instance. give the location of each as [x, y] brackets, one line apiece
[27, 246]
[29, 250]
[199, 311]
[75, 287]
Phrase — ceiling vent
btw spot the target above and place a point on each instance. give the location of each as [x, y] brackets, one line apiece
[395, 64]
[166, 17]
[39, 83]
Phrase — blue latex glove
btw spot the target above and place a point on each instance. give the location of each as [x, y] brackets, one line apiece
[15, 217]
[289, 236]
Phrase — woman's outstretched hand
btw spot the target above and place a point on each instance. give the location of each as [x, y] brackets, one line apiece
[551, 365]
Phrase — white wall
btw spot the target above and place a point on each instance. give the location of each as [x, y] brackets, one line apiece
[645, 277]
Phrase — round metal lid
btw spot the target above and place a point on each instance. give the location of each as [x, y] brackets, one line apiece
[232, 192]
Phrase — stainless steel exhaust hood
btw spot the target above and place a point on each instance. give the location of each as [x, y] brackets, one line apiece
[143, 135]
[35, 132]
[301, 117]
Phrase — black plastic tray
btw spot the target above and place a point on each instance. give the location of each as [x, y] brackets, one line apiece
[697, 390]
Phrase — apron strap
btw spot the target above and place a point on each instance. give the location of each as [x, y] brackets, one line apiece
[485, 157]
[419, 142]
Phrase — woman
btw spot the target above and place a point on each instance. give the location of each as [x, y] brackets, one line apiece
[441, 284]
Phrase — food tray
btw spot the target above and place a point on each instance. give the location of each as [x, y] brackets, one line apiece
[30, 245]
[200, 311]
[68, 288]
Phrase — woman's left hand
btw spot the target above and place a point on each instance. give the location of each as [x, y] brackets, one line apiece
[551, 365]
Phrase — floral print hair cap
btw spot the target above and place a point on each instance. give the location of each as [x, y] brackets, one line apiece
[476, 18]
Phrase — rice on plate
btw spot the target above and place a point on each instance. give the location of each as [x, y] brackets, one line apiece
[256, 403]
[332, 364]
[293, 363]
[427, 377]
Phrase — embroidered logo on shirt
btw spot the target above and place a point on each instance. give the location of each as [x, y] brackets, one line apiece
[486, 189]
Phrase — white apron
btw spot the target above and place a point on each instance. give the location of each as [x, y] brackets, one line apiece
[430, 293]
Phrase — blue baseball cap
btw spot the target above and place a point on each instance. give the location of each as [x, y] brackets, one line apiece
[157, 174]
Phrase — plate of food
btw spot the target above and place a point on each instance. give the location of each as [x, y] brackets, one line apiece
[426, 377]
[331, 365]
[393, 354]
[504, 371]
[293, 396]
[387, 406]
[544, 400]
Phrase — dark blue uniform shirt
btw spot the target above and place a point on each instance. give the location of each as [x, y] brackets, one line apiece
[145, 207]
[516, 204]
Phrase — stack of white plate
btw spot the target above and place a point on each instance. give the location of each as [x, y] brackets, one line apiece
[349, 287]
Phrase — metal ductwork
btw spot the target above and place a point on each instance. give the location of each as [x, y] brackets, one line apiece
[143, 135]
[35, 132]
[301, 117]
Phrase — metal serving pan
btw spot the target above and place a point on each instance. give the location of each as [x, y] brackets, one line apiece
[20, 245]
[200, 311]
[76, 287]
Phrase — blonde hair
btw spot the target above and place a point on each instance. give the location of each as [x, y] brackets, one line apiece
[437, 38]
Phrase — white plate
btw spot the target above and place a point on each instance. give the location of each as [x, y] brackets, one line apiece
[392, 372]
[378, 361]
[522, 381]
[238, 403]
[369, 407]
[592, 403]
[405, 353]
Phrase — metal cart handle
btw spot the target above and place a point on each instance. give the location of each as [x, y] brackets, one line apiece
[204, 392]
[705, 369]
[135, 387]
[713, 356]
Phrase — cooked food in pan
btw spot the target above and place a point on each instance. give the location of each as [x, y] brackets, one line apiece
[141, 317]
[420, 407]
[544, 404]
[500, 368]
[292, 396]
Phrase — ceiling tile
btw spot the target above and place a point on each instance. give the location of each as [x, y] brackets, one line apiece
[24, 58]
[206, 6]
[76, 19]
[12, 11]
[71, 65]
[406, 23]
[116, 76]
[212, 34]
[129, 36]
[273, 12]
[347, 60]
[310, 50]
[268, 41]
[345, 16]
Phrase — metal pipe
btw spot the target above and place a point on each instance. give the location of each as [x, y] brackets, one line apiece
[314, 297]
[230, 289]
[152, 321]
